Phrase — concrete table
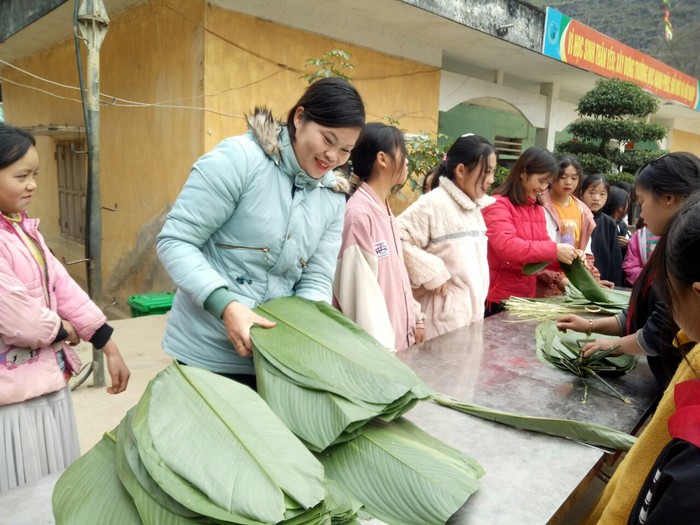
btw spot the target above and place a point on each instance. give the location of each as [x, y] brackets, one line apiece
[530, 478]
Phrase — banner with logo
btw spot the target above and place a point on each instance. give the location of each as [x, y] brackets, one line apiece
[579, 45]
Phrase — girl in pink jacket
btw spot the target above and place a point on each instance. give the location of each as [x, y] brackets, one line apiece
[42, 312]
[371, 285]
[517, 229]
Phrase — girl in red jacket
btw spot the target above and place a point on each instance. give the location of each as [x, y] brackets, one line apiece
[516, 228]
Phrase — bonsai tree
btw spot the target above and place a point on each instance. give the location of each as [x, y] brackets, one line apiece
[613, 114]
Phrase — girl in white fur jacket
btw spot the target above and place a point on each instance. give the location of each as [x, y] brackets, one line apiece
[444, 238]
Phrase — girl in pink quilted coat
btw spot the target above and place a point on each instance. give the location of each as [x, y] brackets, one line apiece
[42, 312]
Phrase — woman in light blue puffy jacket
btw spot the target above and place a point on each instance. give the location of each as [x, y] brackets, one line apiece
[260, 217]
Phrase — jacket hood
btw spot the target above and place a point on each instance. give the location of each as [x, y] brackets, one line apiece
[272, 137]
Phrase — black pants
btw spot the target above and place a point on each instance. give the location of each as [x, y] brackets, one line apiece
[245, 379]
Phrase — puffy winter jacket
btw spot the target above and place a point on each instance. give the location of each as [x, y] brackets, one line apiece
[444, 242]
[29, 324]
[249, 221]
[517, 235]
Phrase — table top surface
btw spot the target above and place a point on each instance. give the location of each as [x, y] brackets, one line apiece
[529, 476]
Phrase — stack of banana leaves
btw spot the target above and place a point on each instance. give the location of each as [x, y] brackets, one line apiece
[583, 295]
[563, 351]
[199, 448]
[327, 379]
[342, 394]
[325, 444]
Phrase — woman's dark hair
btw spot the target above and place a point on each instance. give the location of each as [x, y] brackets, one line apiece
[429, 178]
[594, 179]
[377, 137]
[331, 102]
[14, 144]
[624, 185]
[671, 174]
[679, 244]
[569, 161]
[533, 161]
[618, 198]
[471, 151]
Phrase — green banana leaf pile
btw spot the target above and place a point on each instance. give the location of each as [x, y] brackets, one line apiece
[324, 376]
[563, 351]
[583, 295]
[198, 448]
[427, 488]
[342, 394]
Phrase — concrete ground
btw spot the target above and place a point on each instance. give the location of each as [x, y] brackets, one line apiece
[139, 340]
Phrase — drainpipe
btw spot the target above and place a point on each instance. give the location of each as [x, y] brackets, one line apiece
[92, 21]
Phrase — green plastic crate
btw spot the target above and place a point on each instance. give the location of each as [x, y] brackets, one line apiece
[151, 303]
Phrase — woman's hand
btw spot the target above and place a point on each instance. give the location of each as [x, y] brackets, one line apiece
[573, 322]
[238, 319]
[624, 241]
[440, 290]
[601, 345]
[117, 368]
[567, 253]
[73, 337]
[420, 332]
[607, 284]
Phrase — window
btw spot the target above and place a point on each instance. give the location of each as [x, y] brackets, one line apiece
[72, 189]
[509, 149]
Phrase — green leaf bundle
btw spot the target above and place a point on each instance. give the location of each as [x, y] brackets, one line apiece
[200, 448]
[89, 491]
[583, 280]
[563, 351]
[324, 376]
[403, 475]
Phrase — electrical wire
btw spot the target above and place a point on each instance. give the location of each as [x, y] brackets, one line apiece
[114, 101]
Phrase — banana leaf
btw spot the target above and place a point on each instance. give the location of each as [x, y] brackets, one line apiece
[403, 475]
[154, 505]
[343, 507]
[244, 460]
[89, 491]
[615, 300]
[533, 268]
[589, 433]
[324, 376]
[583, 280]
[563, 351]
[332, 418]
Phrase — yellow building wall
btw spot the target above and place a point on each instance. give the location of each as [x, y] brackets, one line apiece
[151, 68]
[178, 76]
[684, 141]
[251, 62]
